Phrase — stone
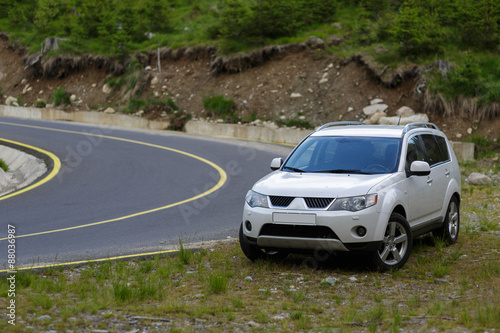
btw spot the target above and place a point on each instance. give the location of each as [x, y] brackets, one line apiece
[44, 317]
[295, 95]
[109, 110]
[405, 111]
[11, 100]
[419, 117]
[477, 178]
[375, 118]
[154, 81]
[314, 41]
[248, 278]
[329, 281]
[106, 89]
[376, 101]
[72, 98]
[369, 110]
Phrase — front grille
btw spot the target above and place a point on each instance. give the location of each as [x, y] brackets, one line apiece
[301, 231]
[281, 201]
[318, 202]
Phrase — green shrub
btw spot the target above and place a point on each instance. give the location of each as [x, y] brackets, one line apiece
[300, 123]
[220, 107]
[60, 96]
[4, 165]
[40, 103]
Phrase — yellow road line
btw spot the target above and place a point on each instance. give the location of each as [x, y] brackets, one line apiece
[52, 174]
[82, 262]
[222, 180]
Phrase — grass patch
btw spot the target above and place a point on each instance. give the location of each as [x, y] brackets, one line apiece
[60, 96]
[4, 165]
[220, 107]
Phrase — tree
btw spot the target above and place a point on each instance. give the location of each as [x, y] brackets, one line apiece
[417, 31]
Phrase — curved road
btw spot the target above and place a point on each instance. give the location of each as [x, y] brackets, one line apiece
[127, 192]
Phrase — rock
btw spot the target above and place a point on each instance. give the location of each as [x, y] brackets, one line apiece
[477, 178]
[44, 317]
[109, 110]
[376, 101]
[316, 42]
[147, 68]
[469, 131]
[11, 100]
[72, 98]
[329, 281]
[106, 89]
[374, 119]
[442, 281]
[369, 110]
[405, 111]
[353, 279]
[253, 324]
[248, 278]
[419, 117]
[350, 109]
[154, 81]
[295, 95]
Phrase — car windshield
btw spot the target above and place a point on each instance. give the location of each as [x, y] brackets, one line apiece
[338, 154]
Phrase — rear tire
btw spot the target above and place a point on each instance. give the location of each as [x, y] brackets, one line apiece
[451, 225]
[396, 246]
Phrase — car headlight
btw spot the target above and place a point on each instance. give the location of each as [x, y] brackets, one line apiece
[355, 204]
[255, 199]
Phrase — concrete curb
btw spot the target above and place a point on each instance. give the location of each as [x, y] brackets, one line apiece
[463, 150]
[23, 169]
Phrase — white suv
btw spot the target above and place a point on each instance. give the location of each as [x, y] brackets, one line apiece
[354, 187]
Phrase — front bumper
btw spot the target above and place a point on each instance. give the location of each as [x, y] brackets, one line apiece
[312, 229]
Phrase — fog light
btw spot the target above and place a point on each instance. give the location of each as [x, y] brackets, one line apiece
[248, 225]
[361, 231]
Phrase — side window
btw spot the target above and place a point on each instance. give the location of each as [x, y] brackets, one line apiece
[414, 152]
[432, 151]
[445, 154]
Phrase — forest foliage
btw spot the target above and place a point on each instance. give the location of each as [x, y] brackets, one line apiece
[467, 32]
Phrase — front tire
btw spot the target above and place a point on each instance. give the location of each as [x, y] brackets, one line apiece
[396, 246]
[254, 253]
[451, 225]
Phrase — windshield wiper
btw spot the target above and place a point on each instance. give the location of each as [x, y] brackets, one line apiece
[293, 169]
[345, 171]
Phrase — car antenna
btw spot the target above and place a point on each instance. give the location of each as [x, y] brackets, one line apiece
[399, 120]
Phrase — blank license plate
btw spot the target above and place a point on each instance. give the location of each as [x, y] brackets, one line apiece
[294, 218]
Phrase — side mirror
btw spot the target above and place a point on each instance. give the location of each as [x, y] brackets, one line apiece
[276, 163]
[420, 168]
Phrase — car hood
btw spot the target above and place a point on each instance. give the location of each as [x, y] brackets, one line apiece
[326, 185]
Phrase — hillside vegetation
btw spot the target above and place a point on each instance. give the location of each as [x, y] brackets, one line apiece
[460, 36]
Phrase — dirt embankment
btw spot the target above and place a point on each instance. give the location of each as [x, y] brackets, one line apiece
[297, 81]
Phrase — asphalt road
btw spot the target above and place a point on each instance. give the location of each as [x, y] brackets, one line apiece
[126, 192]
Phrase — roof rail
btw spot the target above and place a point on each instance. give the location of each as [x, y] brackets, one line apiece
[420, 124]
[340, 123]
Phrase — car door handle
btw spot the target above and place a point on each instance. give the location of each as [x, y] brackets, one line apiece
[429, 181]
[447, 173]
